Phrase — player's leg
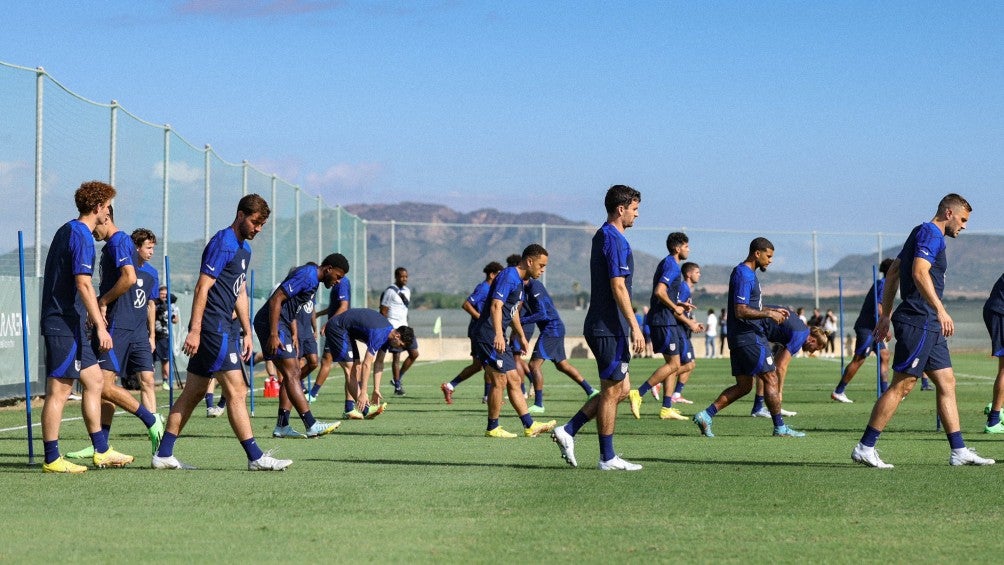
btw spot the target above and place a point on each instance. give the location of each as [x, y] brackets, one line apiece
[537, 375]
[465, 373]
[322, 375]
[236, 390]
[993, 410]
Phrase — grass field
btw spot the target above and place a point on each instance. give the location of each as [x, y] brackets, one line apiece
[421, 484]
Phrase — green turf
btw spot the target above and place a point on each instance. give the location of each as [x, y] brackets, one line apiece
[420, 483]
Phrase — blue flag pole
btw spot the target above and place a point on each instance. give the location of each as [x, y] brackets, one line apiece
[171, 369]
[251, 361]
[840, 294]
[24, 347]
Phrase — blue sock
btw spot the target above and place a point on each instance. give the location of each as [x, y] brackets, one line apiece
[679, 387]
[840, 387]
[222, 403]
[575, 424]
[587, 387]
[100, 441]
[711, 410]
[106, 429]
[456, 381]
[924, 382]
[527, 420]
[870, 436]
[955, 440]
[315, 389]
[643, 390]
[538, 397]
[209, 400]
[885, 386]
[166, 448]
[778, 420]
[607, 448]
[522, 387]
[667, 401]
[282, 420]
[488, 388]
[51, 450]
[757, 403]
[493, 423]
[350, 405]
[252, 449]
[143, 414]
[308, 418]
[994, 418]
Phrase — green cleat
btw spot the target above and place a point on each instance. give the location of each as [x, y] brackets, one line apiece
[156, 432]
[785, 431]
[703, 422]
[989, 407]
[997, 428]
[534, 409]
[635, 400]
[593, 394]
[85, 453]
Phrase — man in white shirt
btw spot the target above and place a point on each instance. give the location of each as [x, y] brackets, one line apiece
[710, 333]
[394, 306]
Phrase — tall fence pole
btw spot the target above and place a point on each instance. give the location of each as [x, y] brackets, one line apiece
[815, 267]
[171, 365]
[878, 341]
[543, 243]
[113, 142]
[165, 221]
[366, 266]
[24, 347]
[244, 178]
[275, 226]
[250, 291]
[207, 186]
[320, 229]
[393, 250]
[39, 118]
[296, 204]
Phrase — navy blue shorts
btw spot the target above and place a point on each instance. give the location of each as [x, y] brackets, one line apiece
[217, 352]
[683, 345]
[343, 349]
[919, 350]
[66, 356]
[285, 337]
[308, 346]
[550, 348]
[751, 359]
[489, 357]
[864, 342]
[995, 326]
[613, 355]
[130, 353]
[163, 352]
[665, 340]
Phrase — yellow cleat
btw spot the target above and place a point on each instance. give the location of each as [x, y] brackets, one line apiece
[671, 414]
[63, 466]
[499, 433]
[537, 428]
[635, 400]
[112, 458]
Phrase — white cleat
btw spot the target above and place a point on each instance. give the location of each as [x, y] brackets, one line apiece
[761, 413]
[268, 463]
[618, 464]
[841, 397]
[787, 413]
[966, 456]
[868, 456]
[169, 463]
[214, 411]
[566, 443]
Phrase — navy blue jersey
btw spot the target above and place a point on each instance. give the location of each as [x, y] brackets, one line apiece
[71, 253]
[790, 333]
[299, 287]
[128, 311]
[477, 300]
[667, 273]
[926, 243]
[744, 288]
[541, 311]
[609, 258]
[146, 290]
[684, 296]
[995, 302]
[225, 259]
[365, 325]
[866, 319]
[507, 287]
[341, 292]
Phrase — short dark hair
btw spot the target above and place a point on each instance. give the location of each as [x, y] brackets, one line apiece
[493, 267]
[675, 240]
[620, 195]
[951, 200]
[92, 194]
[336, 260]
[252, 203]
[760, 244]
[398, 271]
[111, 212]
[689, 266]
[533, 250]
[407, 336]
[513, 259]
[884, 265]
[142, 235]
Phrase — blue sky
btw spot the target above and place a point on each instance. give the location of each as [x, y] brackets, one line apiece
[830, 116]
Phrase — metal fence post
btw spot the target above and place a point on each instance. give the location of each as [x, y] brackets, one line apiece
[206, 187]
[165, 220]
[112, 141]
[815, 267]
[320, 229]
[275, 225]
[39, 115]
[393, 251]
[296, 206]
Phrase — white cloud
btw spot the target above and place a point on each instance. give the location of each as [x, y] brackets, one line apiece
[181, 172]
[345, 176]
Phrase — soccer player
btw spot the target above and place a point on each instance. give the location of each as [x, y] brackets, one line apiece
[993, 317]
[340, 300]
[610, 329]
[550, 346]
[147, 281]
[475, 301]
[126, 307]
[691, 275]
[394, 305]
[370, 327]
[664, 316]
[790, 336]
[501, 310]
[921, 323]
[68, 302]
[864, 341]
[217, 342]
[167, 313]
[749, 351]
[277, 326]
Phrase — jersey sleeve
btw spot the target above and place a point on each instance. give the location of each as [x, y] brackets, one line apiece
[929, 243]
[215, 258]
[345, 291]
[617, 253]
[122, 249]
[82, 253]
[302, 280]
[743, 288]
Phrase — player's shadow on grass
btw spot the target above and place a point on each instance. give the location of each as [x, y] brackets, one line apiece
[408, 462]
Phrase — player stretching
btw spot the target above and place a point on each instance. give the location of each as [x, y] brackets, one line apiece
[473, 306]
[789, 337]
[864, 341]
[340, 300]
[610, 329]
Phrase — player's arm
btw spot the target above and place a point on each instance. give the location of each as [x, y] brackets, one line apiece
[274, 312]
[747, 312]
[470, 309]
[618, 287]
[194, 336]
[127, 278]
[496, 312]
[517, 328]
[243, 309]
[151, 323]
[87, 295]
[888, 296]
[925, 285]
[661, 292]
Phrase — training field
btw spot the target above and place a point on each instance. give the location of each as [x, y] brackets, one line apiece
[421, 484]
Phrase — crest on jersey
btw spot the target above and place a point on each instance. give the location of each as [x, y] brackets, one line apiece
[498, 362]
[770, 359]
[139, 282]
[672, 347]
[289, 348]
[915, 363]
[76, 366]
[624, 368]
[233, 357]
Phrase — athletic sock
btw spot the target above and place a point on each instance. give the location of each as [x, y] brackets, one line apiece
[166, 448]
[667, 401]
[607, 448]
[840, 387]
[679, 387]
[209, 400]
[222, 403]
[350, 405]
[143, 414]
[870, 437]
[778, 420]
[711, 410]
[576, 423]
[538, 398]
[307, 418]
[314, 390]
[493, 423]
[100, 441]
[251, 448]
[282, 419]
[106, 429]
[644, 388]
[488, 388]
[527, 420]
[955, 440]
[885, 386]
[51, 450]
[586, 387]
[757, 403]
[453, 384]
[994, 418]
